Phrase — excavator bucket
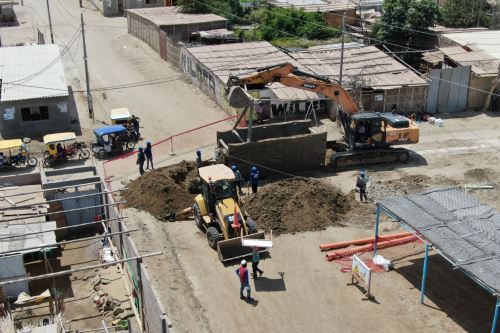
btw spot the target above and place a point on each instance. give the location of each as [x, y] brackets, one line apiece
[232, 249]
[239, 98]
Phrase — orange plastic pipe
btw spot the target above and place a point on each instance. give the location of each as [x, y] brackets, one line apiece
[339, 245]
[366, 248]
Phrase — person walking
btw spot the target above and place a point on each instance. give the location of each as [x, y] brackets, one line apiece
[242, 273]
[141, 158]
[254, 179]
[361, 183]
[149, 155]
[255, 262]
[494, 100]
[198, 161]
[237, 177]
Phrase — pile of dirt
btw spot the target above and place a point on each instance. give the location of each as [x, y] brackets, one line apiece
[480, 174]
[297, 204]
[411, 184]
[163, 190]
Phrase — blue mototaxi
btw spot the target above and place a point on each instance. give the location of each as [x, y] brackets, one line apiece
[113, 139]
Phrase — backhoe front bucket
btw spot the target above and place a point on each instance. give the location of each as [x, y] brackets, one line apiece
[232, 249]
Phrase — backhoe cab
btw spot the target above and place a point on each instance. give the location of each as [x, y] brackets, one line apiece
[217, 213]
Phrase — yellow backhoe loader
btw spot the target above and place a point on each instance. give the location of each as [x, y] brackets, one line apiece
[218, 214]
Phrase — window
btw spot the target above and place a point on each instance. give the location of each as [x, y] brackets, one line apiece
[32, 114]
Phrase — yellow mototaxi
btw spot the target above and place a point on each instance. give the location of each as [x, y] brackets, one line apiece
[61, 147]
[15, 152]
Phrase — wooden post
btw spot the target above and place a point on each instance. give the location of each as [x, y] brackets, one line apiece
[141, 293]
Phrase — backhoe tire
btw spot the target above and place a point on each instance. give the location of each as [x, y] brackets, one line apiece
[212, 237]
[252, 227]
[197, 217]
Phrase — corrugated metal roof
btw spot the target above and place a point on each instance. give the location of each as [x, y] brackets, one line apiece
[165, 16]
[314, 5]
[284, 93]
[19, 243]
[238, 58]
[30, 72]
[483, 64]
[367, 63]
[486, 41]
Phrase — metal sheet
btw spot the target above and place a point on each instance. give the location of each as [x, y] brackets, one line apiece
[84, 215]
[454, 90]
[463, 96]
[12, 267]
[433, 91]
[444, 90]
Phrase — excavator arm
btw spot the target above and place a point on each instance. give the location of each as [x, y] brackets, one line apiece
[290, 76]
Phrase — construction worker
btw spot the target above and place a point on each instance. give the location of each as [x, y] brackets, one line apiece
[255, 262]
[141, 158]
[254, 179]
[237, 177]
[259, 110]
[148, 152]
[198, 161]
[361, 183]
[242, 273]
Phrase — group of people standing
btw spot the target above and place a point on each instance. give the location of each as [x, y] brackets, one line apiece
[145, 155]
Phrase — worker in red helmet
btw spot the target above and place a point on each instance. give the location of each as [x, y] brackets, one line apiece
[242, 273]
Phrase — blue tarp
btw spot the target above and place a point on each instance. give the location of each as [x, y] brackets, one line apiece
[109, 130]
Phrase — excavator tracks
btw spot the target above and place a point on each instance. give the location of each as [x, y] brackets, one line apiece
[350, 159]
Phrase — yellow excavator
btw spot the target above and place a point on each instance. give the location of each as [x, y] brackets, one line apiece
[217, 212]
[368, 136]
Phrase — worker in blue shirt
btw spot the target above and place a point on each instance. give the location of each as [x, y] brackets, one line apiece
[254, 179]
[237, 177]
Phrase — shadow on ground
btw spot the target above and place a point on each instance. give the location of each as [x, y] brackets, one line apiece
[459, 297]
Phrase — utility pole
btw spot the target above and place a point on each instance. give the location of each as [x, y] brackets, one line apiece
[342, 50]
[50, 23]
[89, 96]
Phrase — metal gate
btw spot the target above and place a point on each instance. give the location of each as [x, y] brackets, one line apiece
[448, 90]
[82, 215]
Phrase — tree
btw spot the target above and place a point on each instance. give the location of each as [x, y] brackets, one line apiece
[194, 6]
[465, 13]
[405, 23]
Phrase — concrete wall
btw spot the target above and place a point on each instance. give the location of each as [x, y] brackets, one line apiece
[144, 30]
[59, 118]
[204, 79]
[286, 154]
[265, 132]
[478, 98]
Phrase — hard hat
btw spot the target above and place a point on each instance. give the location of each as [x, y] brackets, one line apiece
[148, 142]
[243, 262]
[234, 168]
[254, 168]
[362, 173]
[140, 148]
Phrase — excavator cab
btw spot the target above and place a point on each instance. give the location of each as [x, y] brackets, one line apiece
[218, 214]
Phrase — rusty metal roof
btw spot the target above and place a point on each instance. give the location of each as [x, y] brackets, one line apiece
[238, 58]
[314, 5]
[167, 16]
[483, 64]
[366, 63]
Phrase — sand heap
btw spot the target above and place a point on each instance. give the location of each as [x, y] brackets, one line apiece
[163, 190]
[297, 204]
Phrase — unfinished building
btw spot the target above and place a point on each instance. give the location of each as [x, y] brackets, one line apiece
[288, 147]
[61, 235]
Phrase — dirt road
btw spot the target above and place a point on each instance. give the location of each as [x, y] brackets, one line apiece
[116, 59]
[301, 291]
